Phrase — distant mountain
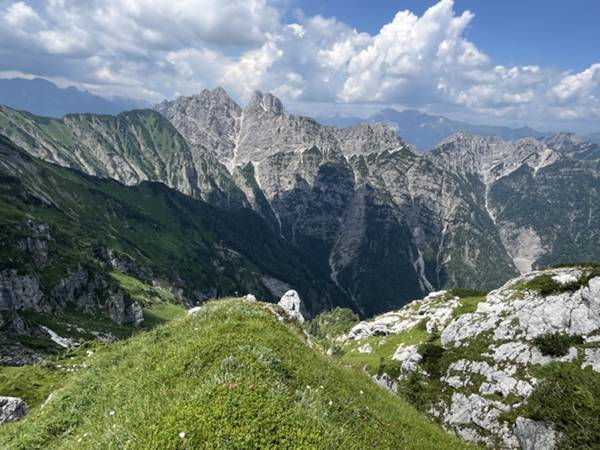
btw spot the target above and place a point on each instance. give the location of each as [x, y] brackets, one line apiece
[41, 97]
[571, 145]
[593, 137]
[425, 131]
[340, 120]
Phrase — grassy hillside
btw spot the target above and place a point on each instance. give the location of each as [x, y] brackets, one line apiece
[233, 376]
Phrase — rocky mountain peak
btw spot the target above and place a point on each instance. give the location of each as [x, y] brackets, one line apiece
[264, 103]
[210, 119]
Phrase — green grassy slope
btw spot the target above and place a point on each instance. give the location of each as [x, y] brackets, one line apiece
[233, 376]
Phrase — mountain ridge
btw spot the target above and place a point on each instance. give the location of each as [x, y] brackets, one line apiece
[426, 131]
[385, 224]
[42, 97]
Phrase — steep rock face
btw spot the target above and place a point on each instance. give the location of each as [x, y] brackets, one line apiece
[558, 220]
[497, 356]
[20, 292]
[210, 119]
[131, 147]
[491, 158]
[526, 188]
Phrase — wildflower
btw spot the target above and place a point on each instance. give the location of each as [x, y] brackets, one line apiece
[361, 392]
[330, 402]
[321, 386]
[182, 434]
[308, 386]
[112, 413]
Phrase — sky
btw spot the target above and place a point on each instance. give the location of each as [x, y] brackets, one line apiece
[505, 62]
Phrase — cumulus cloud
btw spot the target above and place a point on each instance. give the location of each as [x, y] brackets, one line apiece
[156, 48]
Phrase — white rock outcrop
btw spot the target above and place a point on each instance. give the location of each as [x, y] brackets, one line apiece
[511, 313]
[292, 304]
[435, 309]
[408, 357]
[365, 349]
[492, 356]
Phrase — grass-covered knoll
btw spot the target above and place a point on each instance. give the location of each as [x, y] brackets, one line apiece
[233, 376]
[468, 305]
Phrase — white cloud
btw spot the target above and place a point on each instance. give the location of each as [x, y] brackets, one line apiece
[21, 15]
[157, 48]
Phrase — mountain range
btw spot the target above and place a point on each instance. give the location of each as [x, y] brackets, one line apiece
[42, 97]
[425, 131]
[124, 227]
[379, 222]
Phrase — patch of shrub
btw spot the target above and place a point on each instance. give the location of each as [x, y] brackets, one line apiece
[432, 356]
[467, 292]
[422, 324]
[331, 324]
[569, 398]
[390, 368]
[545, 285]
[419, 391]
[556, 344]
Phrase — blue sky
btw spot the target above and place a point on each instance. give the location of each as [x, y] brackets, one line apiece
[564, 34]
[509, 62]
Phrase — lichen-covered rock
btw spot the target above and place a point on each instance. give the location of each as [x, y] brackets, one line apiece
[11, 409]
[293, 306]
[591, 359]
[534, 435]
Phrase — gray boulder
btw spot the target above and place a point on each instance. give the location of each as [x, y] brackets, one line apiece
[11, 409]
[292, 304]
[534, 435]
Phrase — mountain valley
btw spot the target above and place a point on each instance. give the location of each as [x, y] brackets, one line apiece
[113, 227]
